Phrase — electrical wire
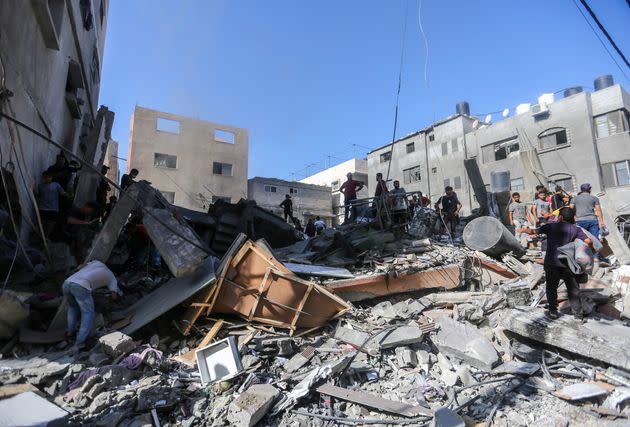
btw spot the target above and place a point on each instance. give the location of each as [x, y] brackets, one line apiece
[601, 41]
[93, 169]
[608, 36]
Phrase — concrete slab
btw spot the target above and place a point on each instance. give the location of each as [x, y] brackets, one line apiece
[29, 409]
[465, 342]
[581, 391]
[445, 417]
[252, 405]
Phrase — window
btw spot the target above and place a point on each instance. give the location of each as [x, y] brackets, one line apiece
[224, 136]
[447, 182]
[563, 180]
[386, 156]
[167, 125]
[454, 145]
[86, 14]
[293, 190]
[433, 170]
[617, 173]
[49, 15]
[169, 196]
[74, 88]
[94, 66]
[221, 168]
[271, 189]
[217, 198]
[164, 161]
[552, 138]
[101, 12]
[334, 185]
[445, 148]
[457, 182]
[413, 174]
[517, 184]
[411, 147]
[611, 123]
[500, 150]
[431, 137]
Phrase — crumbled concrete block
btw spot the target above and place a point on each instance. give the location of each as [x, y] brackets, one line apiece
[406, 357]
[404, 335]
[465, 342]
[30, 409]
[116, 344]
[252, 405]
[424, 357]
[465, 376]
[445, 417]
[449, 378]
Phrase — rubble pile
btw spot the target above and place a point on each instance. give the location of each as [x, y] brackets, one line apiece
[356, 326]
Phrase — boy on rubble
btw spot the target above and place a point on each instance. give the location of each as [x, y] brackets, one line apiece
[77, 289]
[560, 233]
[518, 217]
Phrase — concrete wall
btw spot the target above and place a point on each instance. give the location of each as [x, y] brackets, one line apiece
[309, 200]
[335, 176]
[197, 148]
[111, 160]
[38, 41]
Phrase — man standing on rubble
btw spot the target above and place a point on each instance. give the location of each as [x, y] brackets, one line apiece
[560, 233]
[349, 189]
[320, 225]
[588, 211]
[128, 179]
[448, 206]
[518, 217]
[77, 289]
[541, 208]
[399, 204]
[287, 206]
[48, 194]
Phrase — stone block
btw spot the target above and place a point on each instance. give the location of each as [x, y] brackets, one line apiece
[116, 344]
[445, 417]
[406, 357]
[252, 405]
[465, 342]
[405, 335]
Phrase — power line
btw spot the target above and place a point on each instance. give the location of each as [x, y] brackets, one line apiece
[601, 27]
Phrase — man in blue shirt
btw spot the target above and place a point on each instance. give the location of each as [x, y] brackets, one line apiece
[559, 234]
[48, 194]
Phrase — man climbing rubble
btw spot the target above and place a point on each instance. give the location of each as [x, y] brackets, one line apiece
[349, 189]
[448, 206]
[560, 233]
[77, 289]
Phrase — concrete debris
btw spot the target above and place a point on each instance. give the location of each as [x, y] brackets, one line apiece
[252, 405]
[445, 417]
[582, 391]
[464, 341]
[116, 344]
[30, 409]
[13, 312]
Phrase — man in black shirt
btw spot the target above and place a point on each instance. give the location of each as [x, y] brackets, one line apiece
[287, 206]
[128, 179]
[448, 206]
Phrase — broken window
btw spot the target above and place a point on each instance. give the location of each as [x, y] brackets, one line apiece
[552, 138]
[94, 66]
[411, 147]
[431, 137]
[169, 196]
[611, 123]
[454, 145]
[219, 168]
[334, 185]
[500, 150]
[74, 89]
[101, 12]
[386, 156]
[616, 174]
[293, 190]
[164, 161]
[49, 15]
[86, 14]
[413, 174]
[457, 182]
[167, 125]
[517, 184]
[566, 182]
[224, 136]
[445, 148]
[271, 189]
[434, 170]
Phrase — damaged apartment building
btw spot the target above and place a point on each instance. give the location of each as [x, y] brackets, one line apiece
[192, 162]
[580, 137]
[54, 90]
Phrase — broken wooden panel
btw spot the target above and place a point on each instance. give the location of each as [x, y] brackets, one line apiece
[181, 256]
[606, 341]
[259, 288]
[374, 401]
[366, 287]
[319, 270]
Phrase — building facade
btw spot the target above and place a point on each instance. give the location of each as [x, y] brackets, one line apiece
[309, 200]
[111, 161]
[580, 137]
[335, 176]
[192, 162]
[51, 53]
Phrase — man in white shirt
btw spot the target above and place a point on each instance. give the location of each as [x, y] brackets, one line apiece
[77, 289]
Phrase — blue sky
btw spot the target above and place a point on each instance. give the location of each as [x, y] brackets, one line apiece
[315, 82]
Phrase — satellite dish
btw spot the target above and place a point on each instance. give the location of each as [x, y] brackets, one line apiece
[488, 118]
[475, 124]
[506, 112]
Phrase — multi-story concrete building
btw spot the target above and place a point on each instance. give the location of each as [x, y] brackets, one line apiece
[335, 176]
[309, 200]
[111, 161]
[192, 162]
[581, 137]
[51, 53]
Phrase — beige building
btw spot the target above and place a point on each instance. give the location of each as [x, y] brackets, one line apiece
[192, 162]
[111, 161]
[334, 177]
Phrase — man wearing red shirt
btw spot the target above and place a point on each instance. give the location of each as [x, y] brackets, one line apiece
[349, 189]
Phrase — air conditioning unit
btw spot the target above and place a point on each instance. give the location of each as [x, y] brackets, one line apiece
[539, 109]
